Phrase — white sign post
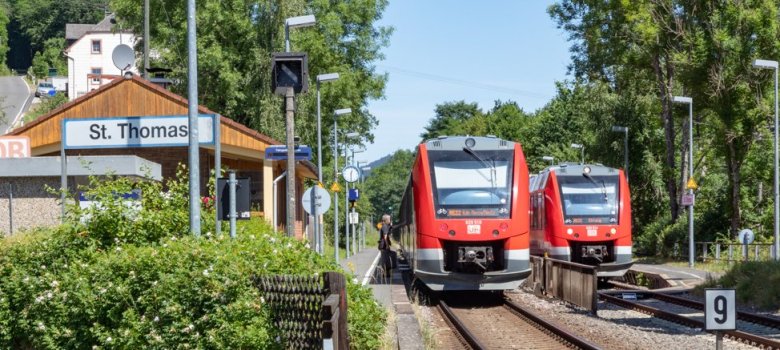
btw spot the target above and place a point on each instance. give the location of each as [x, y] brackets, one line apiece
[720, 313]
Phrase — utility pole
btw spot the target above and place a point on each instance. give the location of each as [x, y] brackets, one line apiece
[146, 40]
[289, 98]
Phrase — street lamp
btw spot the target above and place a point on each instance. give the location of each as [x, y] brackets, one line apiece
[347, 137]
[766, 64]
[624, 130]
[296, 22]
[317, 229]
[582, 150]
[551, 159]
[689, 102]
[336, 114]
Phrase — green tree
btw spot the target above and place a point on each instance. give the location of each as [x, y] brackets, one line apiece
[450, 119]
[236, 39]
[4, 9]
[50, 57]
[388, 182]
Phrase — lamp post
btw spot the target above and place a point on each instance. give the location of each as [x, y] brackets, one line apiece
[336, 115]
[689, 102]
[582, 150]
[766, 64]
[317, 228]
[347, 136]
[296, 22]
[550, 159]
[624, 130]
[353, 232]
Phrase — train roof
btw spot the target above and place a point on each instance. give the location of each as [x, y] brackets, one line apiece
[577, 169]
[480, 143]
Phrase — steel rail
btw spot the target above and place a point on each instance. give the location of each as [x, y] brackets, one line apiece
[752, 339]
[573, 339]
[461, 329]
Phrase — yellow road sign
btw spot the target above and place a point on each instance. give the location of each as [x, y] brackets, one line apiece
[335, 187]
[692, 184]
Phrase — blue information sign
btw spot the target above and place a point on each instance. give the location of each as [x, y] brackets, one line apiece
[354, 194]
[280, 153]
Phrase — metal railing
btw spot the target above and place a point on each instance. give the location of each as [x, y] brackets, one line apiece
[571, 282]
[732, 252]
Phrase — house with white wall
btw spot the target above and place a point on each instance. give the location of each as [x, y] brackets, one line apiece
[89, 49]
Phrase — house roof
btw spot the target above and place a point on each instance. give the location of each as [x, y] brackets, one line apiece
[139, 97]
[74, 31]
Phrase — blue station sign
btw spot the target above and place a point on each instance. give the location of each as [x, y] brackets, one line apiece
[280, 153]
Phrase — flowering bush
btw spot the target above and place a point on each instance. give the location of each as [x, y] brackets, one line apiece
[149, 284]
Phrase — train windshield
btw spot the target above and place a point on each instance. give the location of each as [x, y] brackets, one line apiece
[589, 199]
[472, 183]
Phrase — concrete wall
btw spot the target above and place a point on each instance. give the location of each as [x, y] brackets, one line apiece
[33, 206]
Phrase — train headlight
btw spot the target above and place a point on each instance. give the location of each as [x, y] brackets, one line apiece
[443, 227]
[495, 233]
[470, 142]
[504, 226]
[613, 231]
[569, 231]
[452, 232]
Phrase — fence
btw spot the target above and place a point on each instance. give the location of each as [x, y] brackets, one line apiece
[571, 282]
[732, 252]
[309, 311]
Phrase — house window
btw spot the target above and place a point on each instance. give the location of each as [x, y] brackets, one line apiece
[96, 46]
[96, 72]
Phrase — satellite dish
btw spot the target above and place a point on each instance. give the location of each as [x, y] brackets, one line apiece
[123, 57]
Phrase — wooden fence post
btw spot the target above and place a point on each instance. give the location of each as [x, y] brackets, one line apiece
[337, 285]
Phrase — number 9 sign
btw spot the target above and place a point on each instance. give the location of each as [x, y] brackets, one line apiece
[720, 312]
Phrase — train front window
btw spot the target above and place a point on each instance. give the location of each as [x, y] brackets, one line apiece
[589, 200]
[472, 183]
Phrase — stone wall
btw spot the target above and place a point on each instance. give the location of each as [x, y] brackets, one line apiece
[33, 205]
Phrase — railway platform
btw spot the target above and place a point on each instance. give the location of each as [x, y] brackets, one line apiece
[390, 292]
[678, 277]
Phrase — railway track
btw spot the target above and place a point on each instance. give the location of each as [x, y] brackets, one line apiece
[692, 321]
[509, 319]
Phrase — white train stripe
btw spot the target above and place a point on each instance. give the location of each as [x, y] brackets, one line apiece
[430, 254]
[623, 250]
[516, 254]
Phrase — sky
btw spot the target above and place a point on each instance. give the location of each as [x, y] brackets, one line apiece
[472, 50]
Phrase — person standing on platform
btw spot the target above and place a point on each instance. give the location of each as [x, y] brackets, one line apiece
[385, 243]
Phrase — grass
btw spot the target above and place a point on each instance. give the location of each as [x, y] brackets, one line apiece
[709, 266]
[757, 283]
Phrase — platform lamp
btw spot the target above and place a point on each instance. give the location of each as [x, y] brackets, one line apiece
[318, 231]
[347, 137]
[624, 130]
[767, 64]
[689, 102]
[582, 150]
[336, 114]
[550, 159]
[296, 22]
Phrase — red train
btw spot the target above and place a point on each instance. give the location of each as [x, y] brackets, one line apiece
[582, 213]
[463, 220]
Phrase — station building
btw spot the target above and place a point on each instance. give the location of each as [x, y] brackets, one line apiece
[242, 150]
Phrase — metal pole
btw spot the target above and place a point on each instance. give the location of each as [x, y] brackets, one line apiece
[777, 191]
[691, 249]
[232, 193]
[217, 170]
[276, 201]
[10, 209]
[63, 177]
[336, 194]
[192, 97]
[286, 38]
[315, 211]
[346, 201]
[354, 233]
[290, 115]
[625, 151]
[146, 39]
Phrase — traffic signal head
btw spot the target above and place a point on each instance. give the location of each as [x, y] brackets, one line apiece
[289, 69]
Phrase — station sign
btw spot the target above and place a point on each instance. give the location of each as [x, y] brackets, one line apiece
[126, 132]
[280, 153]
[15, 147]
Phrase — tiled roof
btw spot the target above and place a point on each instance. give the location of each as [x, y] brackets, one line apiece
[74, 31]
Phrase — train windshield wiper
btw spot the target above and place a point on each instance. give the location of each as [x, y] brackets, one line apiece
[487, 165]
[603, 186]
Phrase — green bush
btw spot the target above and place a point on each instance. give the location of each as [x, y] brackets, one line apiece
[128, 277]
[756, 283]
